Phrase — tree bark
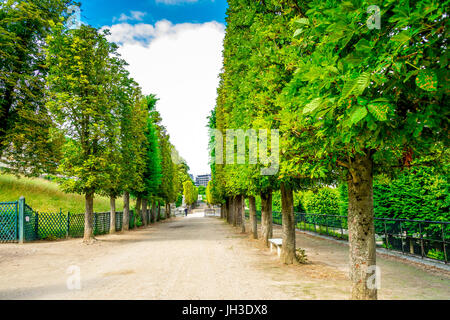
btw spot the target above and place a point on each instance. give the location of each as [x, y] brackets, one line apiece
[231, 210]
[89, 217]
[252, 216]
[235, 210]
[168, 211]
[153, 219]
[243, 214]
[138, 208]
[126, 211]
[266, 217]
[158, 215]
[288, 220]
[144, 212]
[361, 231]
[112, 215]
[227, 209]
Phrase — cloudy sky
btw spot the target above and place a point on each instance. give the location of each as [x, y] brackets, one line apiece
[174, 49]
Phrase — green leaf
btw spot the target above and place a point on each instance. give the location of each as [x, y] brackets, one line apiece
[313, 105]
[356, 86]
[401, 37]
[427, 80]
[302, 21]
[379, 110]
[358, 114]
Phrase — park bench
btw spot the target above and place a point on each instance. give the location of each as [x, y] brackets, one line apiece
[277, 243]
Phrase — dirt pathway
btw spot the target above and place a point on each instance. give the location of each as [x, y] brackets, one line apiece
[194, 258]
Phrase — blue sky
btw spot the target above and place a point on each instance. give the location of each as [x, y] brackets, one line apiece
[102, 12]
[174, 50]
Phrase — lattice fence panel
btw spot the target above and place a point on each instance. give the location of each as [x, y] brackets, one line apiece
[101, 223]
[119, 221]
[52, 225]
[8, 221]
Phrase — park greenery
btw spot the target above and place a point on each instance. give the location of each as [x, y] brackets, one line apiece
[360, 113]
[70, 109]
[357, 107]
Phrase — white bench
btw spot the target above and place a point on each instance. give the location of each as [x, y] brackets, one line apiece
[277, 243]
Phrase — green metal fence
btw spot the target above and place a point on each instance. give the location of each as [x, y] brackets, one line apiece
[423, 238]
[8, 221]
[52, 225]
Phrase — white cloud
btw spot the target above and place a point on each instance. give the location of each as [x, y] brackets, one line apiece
[134, 16]
[181, 64]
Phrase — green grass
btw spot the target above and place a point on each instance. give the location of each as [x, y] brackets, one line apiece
[46, 196]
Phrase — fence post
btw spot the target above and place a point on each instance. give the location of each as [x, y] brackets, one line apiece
[68, 224]
[401, 237]
[21, 217]
[421, 240]
[386, 236]
[443, 243]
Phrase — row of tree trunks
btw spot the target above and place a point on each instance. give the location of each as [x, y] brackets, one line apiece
[288, 220]
[266, 217]
[253, 217]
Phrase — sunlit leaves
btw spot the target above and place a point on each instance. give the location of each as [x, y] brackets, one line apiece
[427, 80]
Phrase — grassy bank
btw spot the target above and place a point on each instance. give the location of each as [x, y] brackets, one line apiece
[45, 196]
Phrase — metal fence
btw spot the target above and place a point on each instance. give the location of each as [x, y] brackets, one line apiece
[423, 238]
[55, 225]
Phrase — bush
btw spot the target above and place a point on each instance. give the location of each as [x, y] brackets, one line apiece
[324, 201]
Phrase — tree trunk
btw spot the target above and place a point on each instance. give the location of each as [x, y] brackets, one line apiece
[288, 220]
[158, 215]
[227, 209]
[231, 210]
[138, 209]
[361, 232]
[144, 212]
[112, 215]
[243, 214]
[252, 216]
[89, 217]
[126, 211]
[168, 211]
[266, 217]
[235, 210]
[153, 212]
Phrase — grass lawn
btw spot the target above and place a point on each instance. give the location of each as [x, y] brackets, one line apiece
[46, 196]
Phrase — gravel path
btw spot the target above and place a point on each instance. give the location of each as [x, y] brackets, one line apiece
[193, 258]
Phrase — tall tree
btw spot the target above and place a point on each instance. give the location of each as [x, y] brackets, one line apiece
[79, 77]
[365, 100]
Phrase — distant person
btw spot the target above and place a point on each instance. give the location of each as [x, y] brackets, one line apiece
[185, 211]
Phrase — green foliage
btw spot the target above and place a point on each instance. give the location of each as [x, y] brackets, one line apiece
[81, 65]
[324, 201]
[44, 195]
[29, 143]
[419, 194]
[415, 193]
[189, 192]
